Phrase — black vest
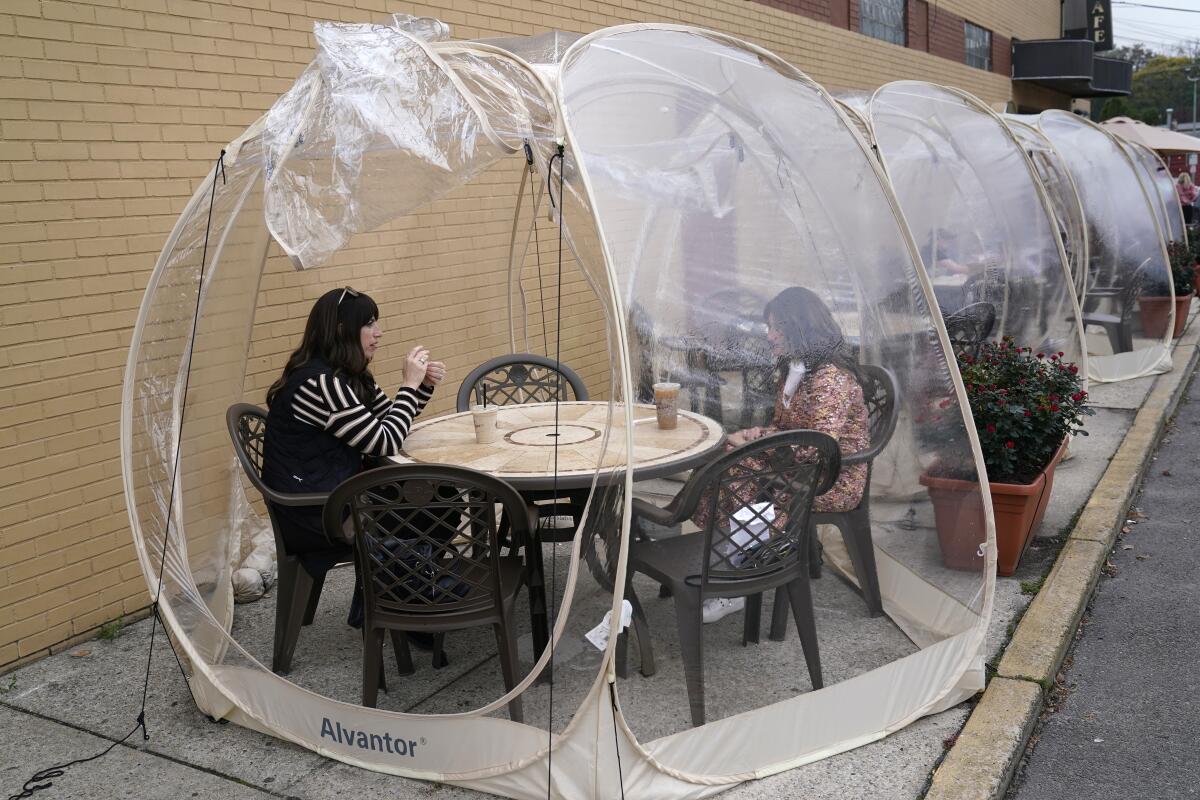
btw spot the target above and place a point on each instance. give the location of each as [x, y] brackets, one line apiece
[297, 457]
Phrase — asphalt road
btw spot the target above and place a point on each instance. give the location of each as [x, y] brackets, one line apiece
[1124, 723]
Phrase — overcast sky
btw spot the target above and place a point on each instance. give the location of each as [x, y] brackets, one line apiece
[1159, 29]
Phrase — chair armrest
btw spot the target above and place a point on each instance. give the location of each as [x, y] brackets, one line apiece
[659, 516]
[865, 457]
[301, 500]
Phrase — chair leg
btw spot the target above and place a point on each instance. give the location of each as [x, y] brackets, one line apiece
[641, 629]
[539, 620]
[1115, 337]
[779, 611]
[622, 655]
[802, 610]
[1126, 337]
[507, 649]
[314, 597]
[372, 666]
[439, 653]
[752, 619]
[691, 650]
[856, 533]
[292, 594]
[403, 654]
[815, 556]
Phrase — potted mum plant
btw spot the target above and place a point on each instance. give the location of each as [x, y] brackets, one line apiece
[1155, 303]
[1193, 246]
[1025, 406]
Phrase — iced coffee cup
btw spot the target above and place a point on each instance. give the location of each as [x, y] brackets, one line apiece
[487, 429]
[666, 403]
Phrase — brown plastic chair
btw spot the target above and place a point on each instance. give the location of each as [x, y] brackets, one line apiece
[1119, 325]
[881, 394]
[297, 591]
[427, 546]
[790, 469]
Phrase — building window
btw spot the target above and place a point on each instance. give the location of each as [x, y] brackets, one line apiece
[883, 19]
[979, 46]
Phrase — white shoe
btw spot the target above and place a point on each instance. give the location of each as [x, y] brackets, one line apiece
[718, 608]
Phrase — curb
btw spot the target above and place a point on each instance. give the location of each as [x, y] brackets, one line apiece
[986, 752]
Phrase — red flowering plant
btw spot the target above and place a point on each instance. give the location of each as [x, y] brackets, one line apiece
[1024, 405]
[1182, 269]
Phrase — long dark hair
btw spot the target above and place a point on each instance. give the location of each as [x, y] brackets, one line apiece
[809, 330]
[333, 334]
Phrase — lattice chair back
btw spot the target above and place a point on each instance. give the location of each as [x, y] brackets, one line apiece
[759, 539]
[248, 429]
[1131, 290]
[969, 327]
[426, 537]
[881, 393]
[520, 378]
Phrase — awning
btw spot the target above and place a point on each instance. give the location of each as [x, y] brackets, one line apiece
[1150, 136]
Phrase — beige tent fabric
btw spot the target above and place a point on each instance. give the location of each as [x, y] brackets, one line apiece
[1150, 136]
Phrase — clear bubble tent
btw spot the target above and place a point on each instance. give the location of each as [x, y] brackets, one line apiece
[692, 178]
[1127, 257]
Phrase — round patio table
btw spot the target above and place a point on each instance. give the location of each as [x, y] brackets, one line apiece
[524, 453]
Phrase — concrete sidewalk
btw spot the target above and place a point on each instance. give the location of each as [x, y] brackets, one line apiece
[1125, 712]
[74, 704]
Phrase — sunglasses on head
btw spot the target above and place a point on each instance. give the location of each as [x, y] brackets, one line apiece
[346, 291]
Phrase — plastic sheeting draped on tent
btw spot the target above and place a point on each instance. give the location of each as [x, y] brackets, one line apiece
[701, 175]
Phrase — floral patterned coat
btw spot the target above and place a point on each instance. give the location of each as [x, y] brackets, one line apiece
[830, 400]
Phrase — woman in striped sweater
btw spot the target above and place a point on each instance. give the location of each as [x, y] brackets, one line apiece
[326, 413]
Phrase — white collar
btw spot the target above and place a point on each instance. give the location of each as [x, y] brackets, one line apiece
[795, 374]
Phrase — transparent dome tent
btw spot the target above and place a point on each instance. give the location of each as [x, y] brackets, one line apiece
[980, 215]
[699, 178]
[1160, 187]
[1128, 269]
[1064, 198]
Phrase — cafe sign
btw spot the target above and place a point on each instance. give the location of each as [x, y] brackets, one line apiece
[1100, 23]
[1089, 19]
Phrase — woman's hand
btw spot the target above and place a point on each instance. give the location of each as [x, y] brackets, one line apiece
[435, 372]
[739, 438]
[416, 364]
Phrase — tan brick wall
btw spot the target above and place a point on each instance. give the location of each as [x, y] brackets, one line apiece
[109, 117]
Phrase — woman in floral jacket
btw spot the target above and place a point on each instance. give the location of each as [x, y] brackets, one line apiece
[819, 390]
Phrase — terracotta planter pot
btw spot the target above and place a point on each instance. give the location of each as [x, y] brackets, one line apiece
[1182, 306]
[1155, 310]
[958, 517]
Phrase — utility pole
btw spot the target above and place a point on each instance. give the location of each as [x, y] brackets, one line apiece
[1193, 77]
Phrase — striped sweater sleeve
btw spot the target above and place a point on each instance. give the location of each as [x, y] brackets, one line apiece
[325, 402]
